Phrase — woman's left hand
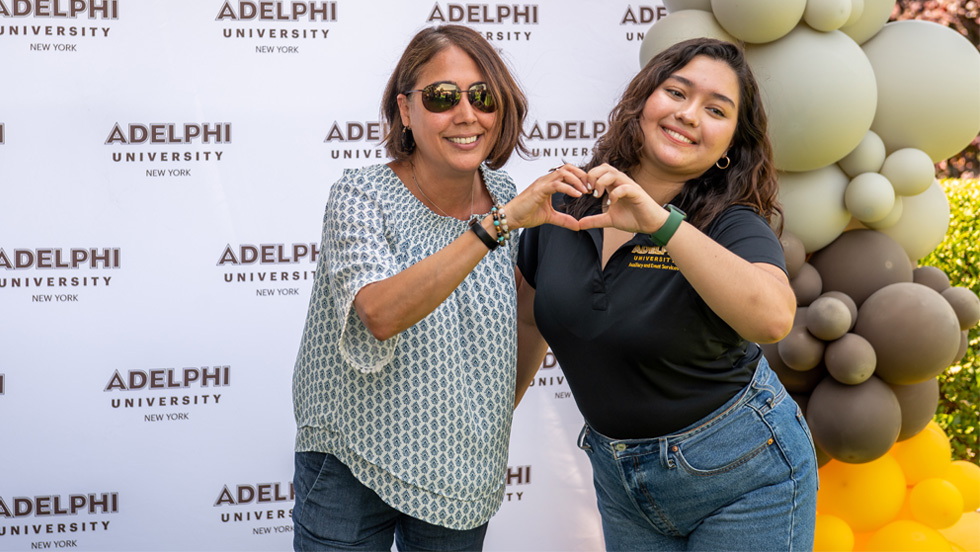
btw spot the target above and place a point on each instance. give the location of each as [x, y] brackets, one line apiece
[628, 206]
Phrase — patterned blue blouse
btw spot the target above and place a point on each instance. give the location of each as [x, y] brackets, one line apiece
[424, 417]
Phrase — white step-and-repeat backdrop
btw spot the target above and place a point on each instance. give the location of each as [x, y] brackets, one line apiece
[164, 165]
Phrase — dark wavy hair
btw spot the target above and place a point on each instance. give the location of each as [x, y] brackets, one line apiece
[507, 135]
[749, 180]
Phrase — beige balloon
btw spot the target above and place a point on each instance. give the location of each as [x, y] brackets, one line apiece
[678, 27]
[813, 205]
[820, 94]
[868, 156]
[891, 218]
[827, 15]
[869, 197]
[758, 21]
[874, 14]
[857, 9]
[923, 224]
[909, 170]
[928, 88]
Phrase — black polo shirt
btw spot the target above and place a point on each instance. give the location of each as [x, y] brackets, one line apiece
[643, 354]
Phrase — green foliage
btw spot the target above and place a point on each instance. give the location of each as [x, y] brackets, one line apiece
[959, 257]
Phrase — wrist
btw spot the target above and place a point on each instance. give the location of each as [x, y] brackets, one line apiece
[669, 227]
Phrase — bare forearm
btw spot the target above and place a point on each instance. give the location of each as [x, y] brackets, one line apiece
[392, 305]
[755, 299]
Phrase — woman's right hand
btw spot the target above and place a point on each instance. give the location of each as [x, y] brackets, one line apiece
[532, 207]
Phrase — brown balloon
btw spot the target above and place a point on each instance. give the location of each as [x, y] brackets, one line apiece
[828, 318]
[851, 359]
[914, 332]
[932, 277]
[918, 403]
[807, 285]
[860, 262]
[851, 305]
[794, 251]
[965, 304]
[799, 350]
[854, 423]
[793, 381]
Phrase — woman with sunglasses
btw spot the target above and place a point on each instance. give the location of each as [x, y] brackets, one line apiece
[404, 384]
[654, 311]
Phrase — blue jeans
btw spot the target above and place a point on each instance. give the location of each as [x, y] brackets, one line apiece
[335, 511]
[742, 478]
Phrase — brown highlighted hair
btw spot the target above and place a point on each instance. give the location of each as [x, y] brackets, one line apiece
[749, 180]
[507, 134]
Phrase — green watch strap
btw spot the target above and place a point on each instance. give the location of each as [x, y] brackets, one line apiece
[663, 235]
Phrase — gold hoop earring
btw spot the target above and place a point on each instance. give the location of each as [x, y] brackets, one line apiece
[725, 166]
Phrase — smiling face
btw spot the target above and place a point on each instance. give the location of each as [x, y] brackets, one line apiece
[452, 143]
[689, 120]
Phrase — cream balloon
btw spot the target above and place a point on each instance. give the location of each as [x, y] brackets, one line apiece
[869, 197]
[857, 8]
[910, 171]
[678, 5]
[891, 218]
[827, 15]
[758, 21]
[678, 27]
[928, 88]
[813, 205]
[874, 14]
[868, 156]
[923, 224]
[803, 77]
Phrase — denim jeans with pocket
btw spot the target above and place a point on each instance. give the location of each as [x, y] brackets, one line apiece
[335, 511]
[742, 478]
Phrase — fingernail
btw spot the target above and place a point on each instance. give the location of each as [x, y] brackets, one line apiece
[596, 194]
[608, 202]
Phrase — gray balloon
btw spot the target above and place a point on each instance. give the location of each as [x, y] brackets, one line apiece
[807, 284]
[851, 359]
[860, 262]
[932, 277]
[918, 403]
[914, 331]
[854, 423]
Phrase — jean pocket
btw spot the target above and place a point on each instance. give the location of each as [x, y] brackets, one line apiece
[581, 442]
[728, 444]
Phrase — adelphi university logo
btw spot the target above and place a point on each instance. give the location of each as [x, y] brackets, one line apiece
[164, 144]
[269, 504]
[270, 23]
[546, 378]
[57, 515]
[180, 388]
[57, 270]
[345, 139]
[642, 16]
[275, 268]
[496, 22]
[563, 140]
[57, 20]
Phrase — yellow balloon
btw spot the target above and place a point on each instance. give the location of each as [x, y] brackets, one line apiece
[936, 503]
[866, 496]
[966, 477]
[904, 535]
[965, 533]
[926, 454]
[832, 535]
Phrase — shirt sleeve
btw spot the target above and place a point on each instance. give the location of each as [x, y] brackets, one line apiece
[745, 233]
[357, 254]
[527, 255]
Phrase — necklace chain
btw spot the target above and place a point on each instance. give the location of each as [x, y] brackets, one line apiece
[434, 204]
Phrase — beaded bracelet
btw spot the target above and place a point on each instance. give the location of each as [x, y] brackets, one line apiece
[500, 223]
[477, 227]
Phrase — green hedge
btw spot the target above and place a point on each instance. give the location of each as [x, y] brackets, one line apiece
[959, 257]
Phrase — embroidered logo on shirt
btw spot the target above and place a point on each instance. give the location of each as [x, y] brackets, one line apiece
[646, 256]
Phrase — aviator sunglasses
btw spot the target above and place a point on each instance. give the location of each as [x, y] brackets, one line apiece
[443, 96]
